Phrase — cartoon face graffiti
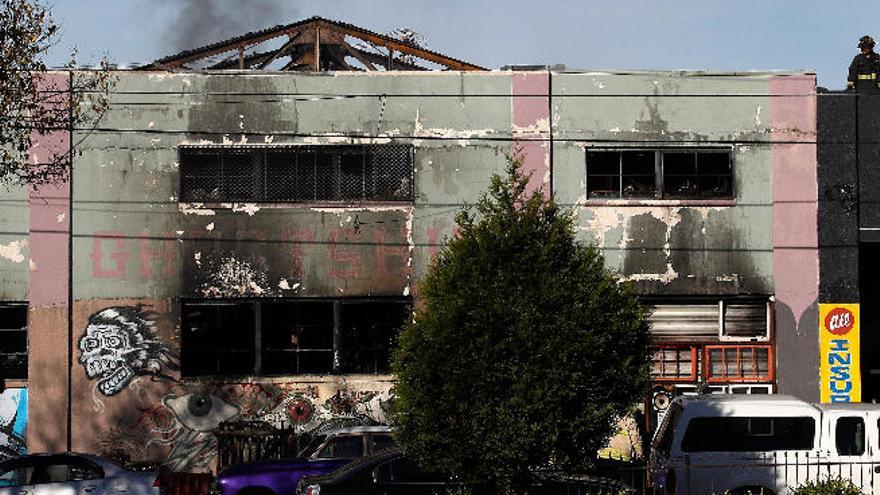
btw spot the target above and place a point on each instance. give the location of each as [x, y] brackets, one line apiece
[120, 343]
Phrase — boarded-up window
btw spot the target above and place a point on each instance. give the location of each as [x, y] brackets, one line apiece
[713, 321]
[685, 322]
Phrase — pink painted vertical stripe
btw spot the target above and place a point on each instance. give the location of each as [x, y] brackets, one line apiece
[530, 119]
[795, 191]
[48, 208]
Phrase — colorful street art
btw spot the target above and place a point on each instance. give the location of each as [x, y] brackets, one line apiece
[183, 426]
[121, 342]
[162, 418]
[13, 423]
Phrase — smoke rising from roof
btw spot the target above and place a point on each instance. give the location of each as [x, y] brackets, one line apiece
[199, 22]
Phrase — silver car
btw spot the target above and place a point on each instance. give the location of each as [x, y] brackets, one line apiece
[71, 474]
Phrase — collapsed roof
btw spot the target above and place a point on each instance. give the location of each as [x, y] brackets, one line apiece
[314, 44]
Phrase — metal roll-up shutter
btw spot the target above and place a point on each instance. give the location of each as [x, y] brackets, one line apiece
[684, 322]
[745, 321]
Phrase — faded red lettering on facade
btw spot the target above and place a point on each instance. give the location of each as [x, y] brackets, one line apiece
[166, 254]
[344, 263]
[116, 267]
[298, 237]
[388, 250]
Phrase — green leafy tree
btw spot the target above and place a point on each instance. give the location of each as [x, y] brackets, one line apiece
[524, 350]
[32, 106]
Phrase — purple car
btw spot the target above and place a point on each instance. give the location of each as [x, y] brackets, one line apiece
[281, 477]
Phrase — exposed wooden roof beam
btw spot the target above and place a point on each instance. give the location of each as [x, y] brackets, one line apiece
[329, 30]
[285, 48]
[383, 60]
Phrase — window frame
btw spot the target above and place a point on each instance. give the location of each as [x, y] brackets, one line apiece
[659, 175]
[259, 351]
[22, 306]
[261, 168]
[662, 377]
[741, 376]
[861, 420]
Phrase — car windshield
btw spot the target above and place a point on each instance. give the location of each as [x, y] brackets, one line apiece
[347, 447]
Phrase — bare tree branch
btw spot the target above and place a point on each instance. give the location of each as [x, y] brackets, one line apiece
[34, 105]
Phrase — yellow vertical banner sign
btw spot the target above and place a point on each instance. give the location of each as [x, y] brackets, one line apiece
[840, 376]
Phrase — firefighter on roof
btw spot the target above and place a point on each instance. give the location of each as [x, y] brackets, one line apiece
[864, 69]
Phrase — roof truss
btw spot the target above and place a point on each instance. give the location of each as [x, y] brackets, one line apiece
[315, 44]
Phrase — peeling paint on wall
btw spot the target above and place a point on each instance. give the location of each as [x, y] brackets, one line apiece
[12, 251]
[226, 275]
[195, 209]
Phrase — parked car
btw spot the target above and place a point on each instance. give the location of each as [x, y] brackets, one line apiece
[340, 447]
[390, 472]
[764, 444]
[386, 473]
[71, 474]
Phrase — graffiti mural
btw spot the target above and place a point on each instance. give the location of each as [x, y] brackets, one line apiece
[184, 423]
[197, 415]
[13, 423]
[122, 342]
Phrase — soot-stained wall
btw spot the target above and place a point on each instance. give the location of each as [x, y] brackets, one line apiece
[138, 249]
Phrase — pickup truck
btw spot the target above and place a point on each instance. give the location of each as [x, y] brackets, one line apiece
[738, 444]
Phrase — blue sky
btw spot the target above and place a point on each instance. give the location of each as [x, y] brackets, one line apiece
[588, 34]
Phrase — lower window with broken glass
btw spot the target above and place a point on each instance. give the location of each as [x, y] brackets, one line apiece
[290, 336]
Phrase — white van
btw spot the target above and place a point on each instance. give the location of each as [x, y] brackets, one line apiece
[769, 444]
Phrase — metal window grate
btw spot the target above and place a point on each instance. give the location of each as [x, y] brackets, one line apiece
[297, 173]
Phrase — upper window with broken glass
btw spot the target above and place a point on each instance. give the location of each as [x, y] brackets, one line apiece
[13, 341]
[306, 174]
[659, 174]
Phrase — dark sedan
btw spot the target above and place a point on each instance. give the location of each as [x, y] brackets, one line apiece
[386, 473]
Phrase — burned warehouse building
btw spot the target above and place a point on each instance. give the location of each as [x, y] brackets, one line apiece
[250, 221]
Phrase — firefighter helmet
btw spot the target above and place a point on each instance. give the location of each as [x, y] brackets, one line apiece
[866, 42]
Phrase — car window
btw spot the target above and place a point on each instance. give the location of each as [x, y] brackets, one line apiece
[748, 434]
[343, 447]
[382, 442]
[67, 469]
[15, 476]
[849, 436]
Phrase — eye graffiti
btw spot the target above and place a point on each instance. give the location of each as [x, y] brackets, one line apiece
[193, 445]
[201, 412]
[120, 343]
